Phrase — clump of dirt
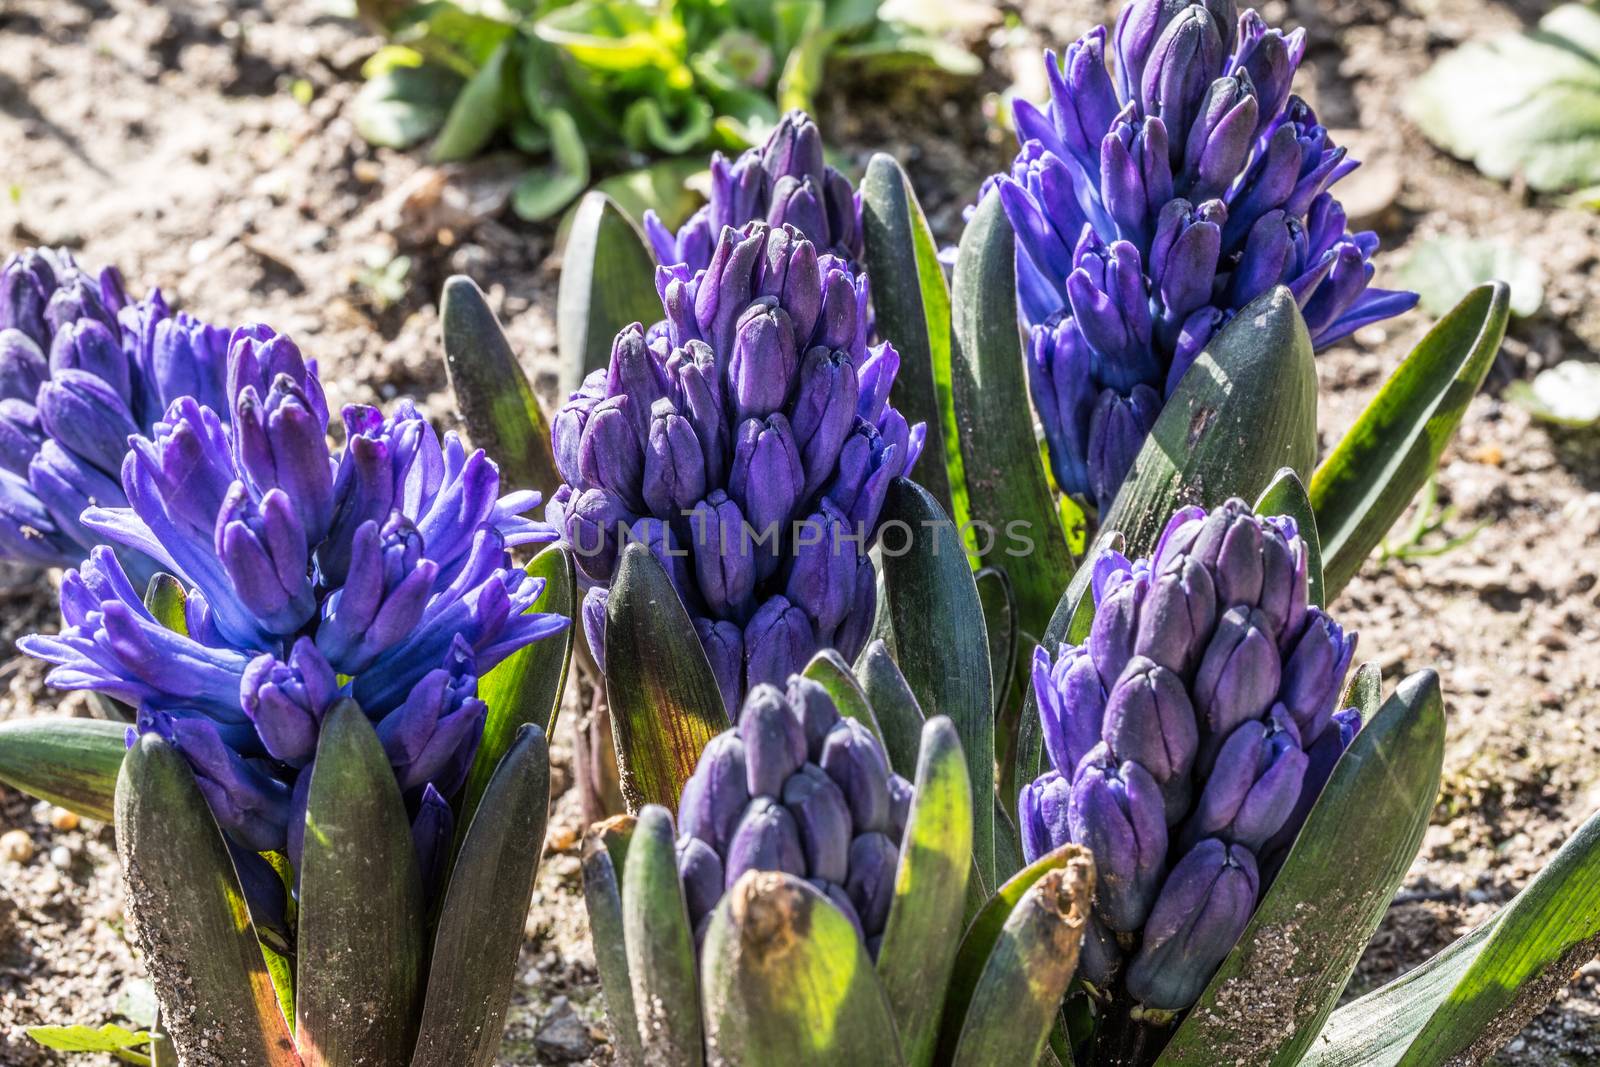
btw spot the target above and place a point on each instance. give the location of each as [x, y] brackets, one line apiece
[173, 141]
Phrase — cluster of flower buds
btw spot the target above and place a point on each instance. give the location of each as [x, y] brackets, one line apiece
[1150, 207]
[782, 182]
[794, 787]
[82, 369]
[1188, 738]
[382, 575]
[748, 440]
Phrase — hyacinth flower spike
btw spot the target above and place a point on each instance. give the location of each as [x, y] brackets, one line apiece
[747, 439]
[1180, 737]
[84, 367]
[799, 859]
[306, 676]
[782, 182]
[1153, 198]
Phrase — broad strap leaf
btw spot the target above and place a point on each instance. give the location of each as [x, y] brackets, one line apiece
[191, 917]
[912, 305]
[502, 415]
[1369, 478]
[525, 688]
[1008, 493]
[944, 650]
[923, 930]
[608, 281]
[788, 982]
[480, 927]
[664, 701]
[359, 978]
[605, 850]
[660, 945]
[72, 763]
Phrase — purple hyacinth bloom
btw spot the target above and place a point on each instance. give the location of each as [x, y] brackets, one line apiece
[782, 181]
[794, 787]
[1188, 738]
[1155, 196]
[381, 574]
[83, 368]
[750, 431]
[1203, 908]
[1118, 812]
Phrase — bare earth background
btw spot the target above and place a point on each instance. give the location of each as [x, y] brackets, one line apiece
[170, 140]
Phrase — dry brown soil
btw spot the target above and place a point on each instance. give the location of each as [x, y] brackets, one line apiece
[171, 140]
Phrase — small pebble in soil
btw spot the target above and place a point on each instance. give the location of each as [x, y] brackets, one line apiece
[16, 846]
[562, 1036]
[63, 820]
[61, 856]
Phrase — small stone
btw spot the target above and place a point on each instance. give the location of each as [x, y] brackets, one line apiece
[16, 846]
[366, 171]
[61, 856]
[63, 820]
[562, 1036]
[562, 838]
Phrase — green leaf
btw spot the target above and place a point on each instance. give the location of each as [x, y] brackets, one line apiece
[923, 930]
[1018, 994]
[107, 1038]
[1550, 929]
[166, 599]
[1287, 496]
[1443, 270]
[660, 945]
[645, 125]
[938, 626]
[1006, 485]
[544, 191]
[605, 848]
[893, 49]
[359, 973]
[829, 670]
[983, 932]
[1365, 691]
[501, 413]
[788, 982]
[72, 763]
[1567, 394]
[484, 105]
[1369, 478]
[526, 686]
[805, 68]
[899, 715]
[608, 35]
[1271, 996]
[607, 282]
[665, 705]
[661, 187]
[191, 917]
[1246, 409]
[848, 16]
[1460, 1005]
[1069, 625]
[1000, 623]
[913, 314]
[1521, 103]
[403, 105]
[1375, 1030]
[480, 929]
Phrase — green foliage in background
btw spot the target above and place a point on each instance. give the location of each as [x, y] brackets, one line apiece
[585, 86]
